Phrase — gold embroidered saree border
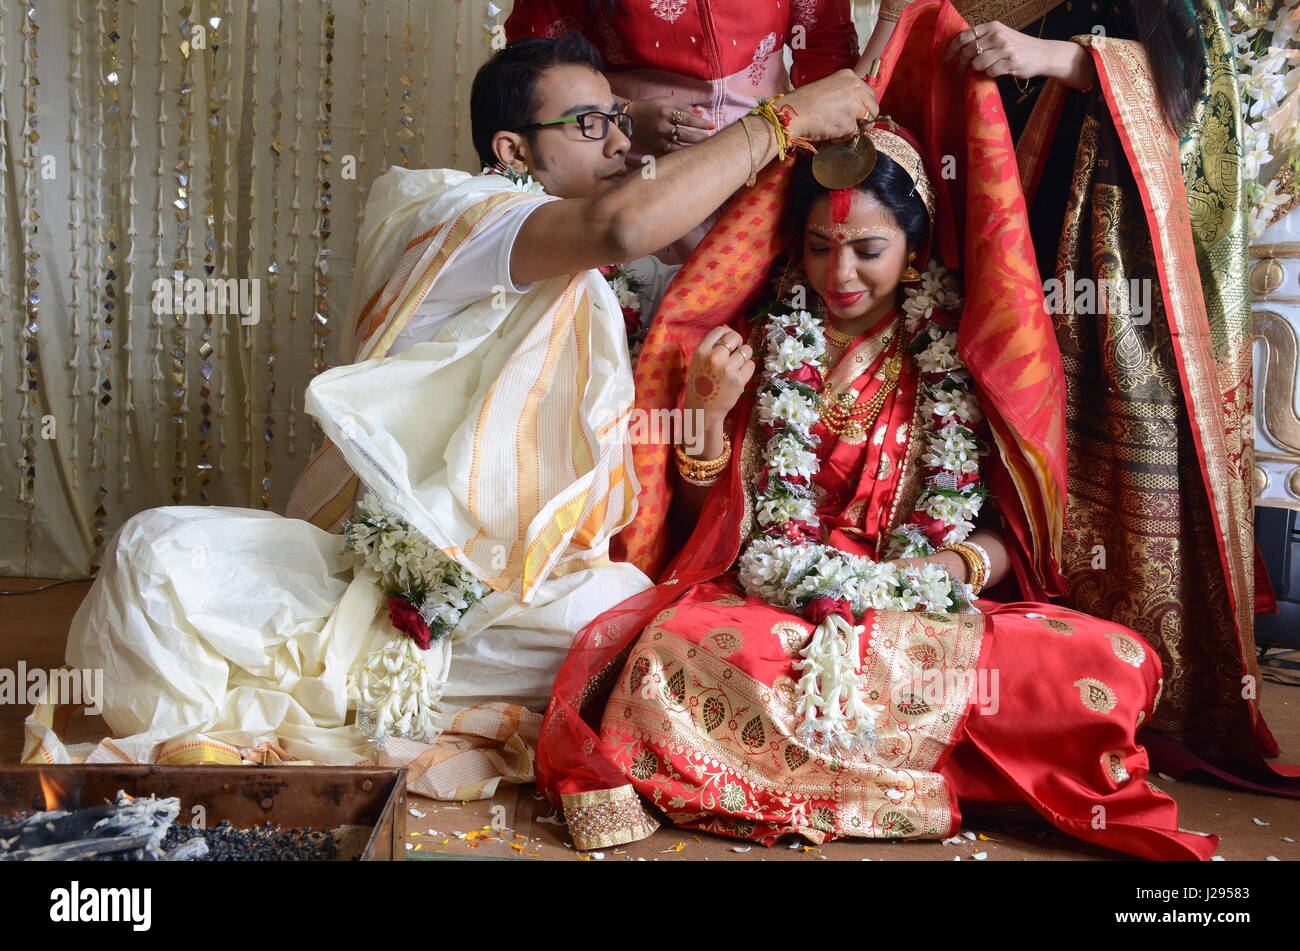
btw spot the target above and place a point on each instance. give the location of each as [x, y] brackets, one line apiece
[606, 817]
[1014, 13]
[1125, 78]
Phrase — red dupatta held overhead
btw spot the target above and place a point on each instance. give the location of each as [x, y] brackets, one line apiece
[1005, 338]
[981, 229]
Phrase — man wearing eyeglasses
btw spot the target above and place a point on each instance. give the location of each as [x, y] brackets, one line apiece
[543, 114]
[526, 113]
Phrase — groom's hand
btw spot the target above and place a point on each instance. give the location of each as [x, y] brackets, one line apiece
[832, 107]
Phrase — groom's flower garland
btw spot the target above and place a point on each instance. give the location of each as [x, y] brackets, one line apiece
[787, 568]
[427, 595]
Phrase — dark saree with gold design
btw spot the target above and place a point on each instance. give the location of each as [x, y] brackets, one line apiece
[1158, 374]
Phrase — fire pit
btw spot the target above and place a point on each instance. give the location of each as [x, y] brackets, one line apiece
[361, 811]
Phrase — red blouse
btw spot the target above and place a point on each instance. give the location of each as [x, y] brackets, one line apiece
[703, 39]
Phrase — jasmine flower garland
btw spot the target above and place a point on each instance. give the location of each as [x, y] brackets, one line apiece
[428, 593]
[788, 568]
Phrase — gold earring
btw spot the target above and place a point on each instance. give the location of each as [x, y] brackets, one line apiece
[910, 274]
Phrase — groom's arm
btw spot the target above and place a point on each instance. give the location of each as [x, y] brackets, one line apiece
[640, 215]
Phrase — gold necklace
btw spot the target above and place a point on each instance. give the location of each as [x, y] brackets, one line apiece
[841, 340]
[851, 422]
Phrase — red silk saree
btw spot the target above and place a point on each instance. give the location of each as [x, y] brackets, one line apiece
[683, 692]
[1159, 390]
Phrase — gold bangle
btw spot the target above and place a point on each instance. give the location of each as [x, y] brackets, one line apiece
[753, 159]
[705, 467]
[700, 469]
[975, 573]
[705, 483]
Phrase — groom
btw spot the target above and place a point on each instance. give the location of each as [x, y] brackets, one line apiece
[431, 249]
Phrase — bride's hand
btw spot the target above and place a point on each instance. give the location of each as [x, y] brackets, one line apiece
[995, 49]
[720, 368]
[946, 559]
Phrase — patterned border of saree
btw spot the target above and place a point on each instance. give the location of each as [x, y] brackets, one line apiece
[1126, 82]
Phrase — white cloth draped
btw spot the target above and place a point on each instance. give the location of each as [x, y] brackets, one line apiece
[503, 440]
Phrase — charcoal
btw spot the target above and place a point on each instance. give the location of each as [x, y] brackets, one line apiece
[145, 829]
[264, 843]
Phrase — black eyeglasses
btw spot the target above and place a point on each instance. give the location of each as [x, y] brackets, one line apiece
[593, 125]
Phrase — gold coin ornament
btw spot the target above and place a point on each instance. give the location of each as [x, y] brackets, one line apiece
[847, 164]
[844, 164]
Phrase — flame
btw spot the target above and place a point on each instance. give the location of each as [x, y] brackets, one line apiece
[57, 795]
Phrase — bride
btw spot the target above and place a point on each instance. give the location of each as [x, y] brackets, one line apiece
[820, 658]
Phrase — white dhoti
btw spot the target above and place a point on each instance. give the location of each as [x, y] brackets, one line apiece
[243, 626]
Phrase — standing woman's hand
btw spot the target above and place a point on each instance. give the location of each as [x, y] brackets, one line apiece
[664, 124]
[995, 49]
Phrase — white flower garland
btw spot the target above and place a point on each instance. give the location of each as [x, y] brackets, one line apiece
[396, 692]
[786, 568]
[522, 181]
[1266, 50]
[393, 687]
[953, 493]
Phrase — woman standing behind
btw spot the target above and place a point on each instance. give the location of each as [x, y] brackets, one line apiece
[690, 67]
[1127, 120]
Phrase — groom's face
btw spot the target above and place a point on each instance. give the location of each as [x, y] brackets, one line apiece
[568, 164]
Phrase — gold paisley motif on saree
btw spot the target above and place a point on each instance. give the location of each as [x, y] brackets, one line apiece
[697, 733]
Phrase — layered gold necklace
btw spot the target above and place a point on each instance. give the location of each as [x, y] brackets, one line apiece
[841, 413]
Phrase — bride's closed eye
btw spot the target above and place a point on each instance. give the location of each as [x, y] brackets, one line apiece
[865, 255]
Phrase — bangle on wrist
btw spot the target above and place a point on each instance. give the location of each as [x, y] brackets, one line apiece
[753, 157]
[703, 471]
[976, 558]
[779, 119]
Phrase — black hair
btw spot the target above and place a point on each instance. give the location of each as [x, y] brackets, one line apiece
[1172, 37]
[596, 9]
[504, 94]
[888, 183]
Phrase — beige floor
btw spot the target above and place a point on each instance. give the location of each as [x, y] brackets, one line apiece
[520, 824]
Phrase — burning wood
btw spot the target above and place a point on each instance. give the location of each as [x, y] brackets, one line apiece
[269, 813]
[128, 828]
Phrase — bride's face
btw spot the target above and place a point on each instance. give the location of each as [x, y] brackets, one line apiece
[855, 264]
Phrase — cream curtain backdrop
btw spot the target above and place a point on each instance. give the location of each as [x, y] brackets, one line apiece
[102, 401]
[94, 189]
